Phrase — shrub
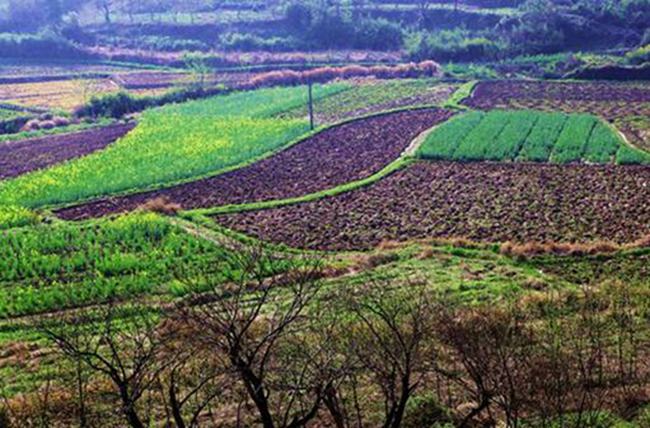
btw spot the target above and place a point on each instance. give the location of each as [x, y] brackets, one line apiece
[251, 42]
[161, 205]
[424, 411]
[451, 46]
[48, 124]
[378, 34]
[112, 105]
[61, 121]
[32, 125]
[298, 16]
[331, 31]
[38, 46]
[13, 125]
[328, 30]
[639, 56]
[537, 29]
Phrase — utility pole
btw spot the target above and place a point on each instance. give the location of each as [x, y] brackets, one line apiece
[311, 105]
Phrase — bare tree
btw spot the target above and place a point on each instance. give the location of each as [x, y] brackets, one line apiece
[122, 344]
[392, 346]
[253, 324]
[106, 7]
[494, 349]
[423, 8]
[192, 380]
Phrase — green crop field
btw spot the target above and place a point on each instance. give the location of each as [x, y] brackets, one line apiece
[11, 216]
[442, 143]
[528, 135]
[602, 145]
[377, 96]
[171, 144]
[570, 145]
[47, 268]
[477, 144]
[539, 144]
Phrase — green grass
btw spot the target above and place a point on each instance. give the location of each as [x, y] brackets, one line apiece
[570, 145]
[631, 267]
[526, 135]
[60, 266]
[442, 144]
[6, 114]
[602, 146]
[172, 144]
[512, 137]
[539, 144]
[463, 92]
[11, 216]
[627, 155]
[477, 144]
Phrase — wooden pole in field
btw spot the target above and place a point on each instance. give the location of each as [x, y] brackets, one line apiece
[311, 106]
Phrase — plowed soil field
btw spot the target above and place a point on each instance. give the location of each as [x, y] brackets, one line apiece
[20, 157]
[481, 201]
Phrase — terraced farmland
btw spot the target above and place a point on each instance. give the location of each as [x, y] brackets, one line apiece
[502, 135]
[481, 201]
[56, 95]
[48, 268]
[376, 96]
[336, 156]
[170, 144]
[20, 157]
[618, 103]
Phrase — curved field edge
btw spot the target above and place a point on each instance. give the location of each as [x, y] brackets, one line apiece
[102, 207]
[256, 206]
[54, 196]
[462, 93]
[367, 217]
[403, 161]
[631, 152]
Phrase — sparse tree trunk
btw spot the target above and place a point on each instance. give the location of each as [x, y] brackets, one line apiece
[107, 13]
[311, 106]
[81, 391]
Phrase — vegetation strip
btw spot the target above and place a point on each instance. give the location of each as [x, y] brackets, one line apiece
[462, 93]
